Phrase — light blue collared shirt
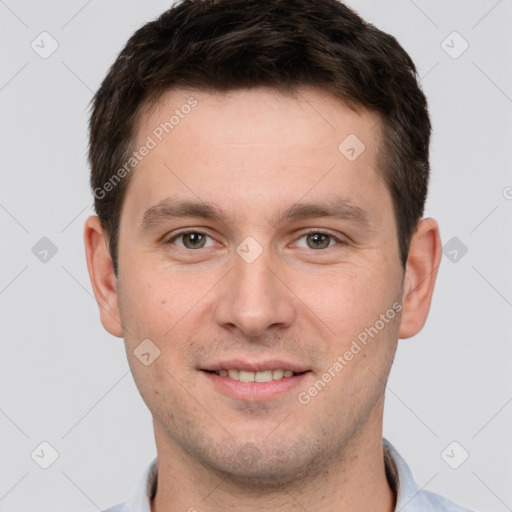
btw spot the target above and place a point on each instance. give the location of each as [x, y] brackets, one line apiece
[410, 498]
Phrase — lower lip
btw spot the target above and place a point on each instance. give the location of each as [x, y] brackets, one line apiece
[254, 391]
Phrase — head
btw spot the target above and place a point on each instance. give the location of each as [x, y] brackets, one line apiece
[260, 171]
[284, 45]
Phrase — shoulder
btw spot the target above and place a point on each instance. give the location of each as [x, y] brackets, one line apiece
[410, 498]
[431, 502]
[143, 493]
[122, 507]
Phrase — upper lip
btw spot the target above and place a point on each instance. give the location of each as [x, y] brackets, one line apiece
[255, 366]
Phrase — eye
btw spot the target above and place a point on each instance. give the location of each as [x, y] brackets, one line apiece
[191, 240]
[318, 240]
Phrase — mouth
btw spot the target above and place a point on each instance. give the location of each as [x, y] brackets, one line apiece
[254, 382]
[249, 376]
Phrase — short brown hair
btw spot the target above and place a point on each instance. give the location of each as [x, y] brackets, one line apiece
[222, 45]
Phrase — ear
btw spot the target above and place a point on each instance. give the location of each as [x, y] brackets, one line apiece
[101, 273]
[423, 261]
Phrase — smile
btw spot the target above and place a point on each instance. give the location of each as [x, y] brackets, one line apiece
[248, 376]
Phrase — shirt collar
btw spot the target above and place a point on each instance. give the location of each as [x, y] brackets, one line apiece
[145, 490]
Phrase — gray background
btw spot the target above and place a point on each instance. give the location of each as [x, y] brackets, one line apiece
[64, 380]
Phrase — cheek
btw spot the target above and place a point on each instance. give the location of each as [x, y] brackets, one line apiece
[154, 301]
[156, 350]
[350, 298]
[160, 307]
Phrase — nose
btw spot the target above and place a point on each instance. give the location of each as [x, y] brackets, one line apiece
[253, 298]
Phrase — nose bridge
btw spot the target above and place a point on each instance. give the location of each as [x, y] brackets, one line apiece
[254, 282]
[252, 298]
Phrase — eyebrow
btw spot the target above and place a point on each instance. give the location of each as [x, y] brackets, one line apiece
[173, 207]
[339, 208]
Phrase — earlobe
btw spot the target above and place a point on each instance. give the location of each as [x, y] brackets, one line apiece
[101, 273]
[421, 272]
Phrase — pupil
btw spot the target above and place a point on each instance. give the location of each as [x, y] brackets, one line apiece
[194, 240]
[318, 241]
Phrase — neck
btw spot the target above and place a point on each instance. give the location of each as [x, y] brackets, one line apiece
[353, 480]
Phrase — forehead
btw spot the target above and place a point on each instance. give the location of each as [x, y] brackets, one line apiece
[255, 147]
[255, 116]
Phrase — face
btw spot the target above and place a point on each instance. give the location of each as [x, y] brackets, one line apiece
[256, 240]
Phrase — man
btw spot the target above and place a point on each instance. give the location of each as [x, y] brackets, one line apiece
[260, 170]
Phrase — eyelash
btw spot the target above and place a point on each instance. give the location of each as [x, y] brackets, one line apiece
[310, 231]
[188, 232]
[313, 231]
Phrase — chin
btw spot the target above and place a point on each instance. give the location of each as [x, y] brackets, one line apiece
[264, 465]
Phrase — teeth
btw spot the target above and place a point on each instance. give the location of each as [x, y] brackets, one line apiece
[246, 376]
[264, 376]
[277, 374]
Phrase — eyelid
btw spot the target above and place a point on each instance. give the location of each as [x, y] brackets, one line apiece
[186, 231]
[314, 231]
[306, 232]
